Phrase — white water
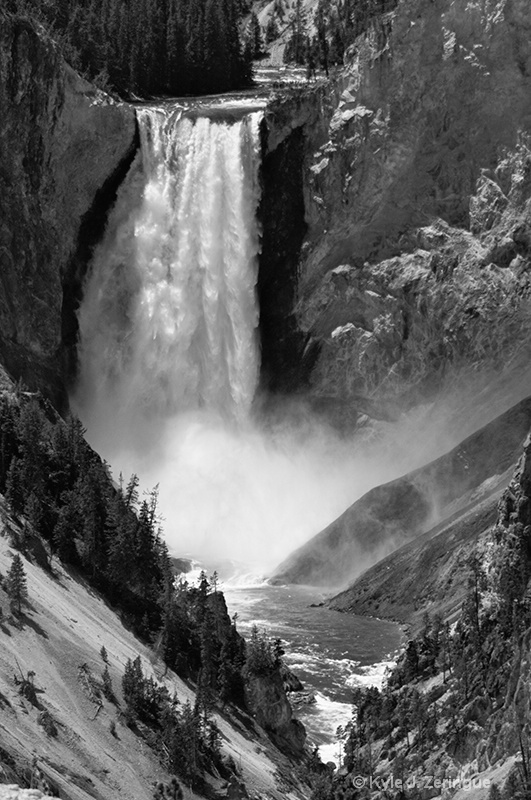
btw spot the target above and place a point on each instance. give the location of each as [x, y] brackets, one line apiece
[331, 653]
[169, 316]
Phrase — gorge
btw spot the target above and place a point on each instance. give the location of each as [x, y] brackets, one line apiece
[304, 315]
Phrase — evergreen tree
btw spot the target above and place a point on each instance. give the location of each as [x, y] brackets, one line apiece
[296, 49]
[14, 489]
[322, 39]
[272, 31]
[107, 684]
[16, 584]
[67, 529]
[254, 34]
[133, 686]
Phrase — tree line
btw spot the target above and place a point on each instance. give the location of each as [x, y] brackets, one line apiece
[149, 47]
[146, 48]
[186, 734]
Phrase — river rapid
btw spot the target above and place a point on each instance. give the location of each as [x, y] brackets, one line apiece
[330, 652]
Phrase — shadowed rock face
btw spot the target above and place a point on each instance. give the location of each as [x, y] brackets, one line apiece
[390, 515]
[282, 219]
[61, 141]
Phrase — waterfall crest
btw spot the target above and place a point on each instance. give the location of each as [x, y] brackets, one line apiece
[169, 316]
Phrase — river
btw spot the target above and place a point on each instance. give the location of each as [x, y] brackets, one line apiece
[330, 652]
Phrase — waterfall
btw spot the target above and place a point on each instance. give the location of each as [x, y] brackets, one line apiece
[169, 316]
[169, 355]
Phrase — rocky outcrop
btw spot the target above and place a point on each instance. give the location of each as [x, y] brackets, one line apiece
[414, 269]
[266, 699]
[390, 515]
[63, 149]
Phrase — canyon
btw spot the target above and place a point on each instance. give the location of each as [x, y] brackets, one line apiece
[392, 282]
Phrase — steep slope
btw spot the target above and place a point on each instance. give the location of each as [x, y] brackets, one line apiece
[413, 273]
[428, 574]
[391, 514]
[59, 638]
[64, 149]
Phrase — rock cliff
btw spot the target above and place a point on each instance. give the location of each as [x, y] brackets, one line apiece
[64, 147]
[413, 271]
[266, 699]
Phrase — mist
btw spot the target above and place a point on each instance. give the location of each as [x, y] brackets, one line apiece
[252, 491]
[240, 491]
[169, 362]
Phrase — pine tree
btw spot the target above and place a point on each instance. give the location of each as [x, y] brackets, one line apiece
[133, 686]
[254, 34]
[8, 440]
[271, 32]
[322, 39]
[14, 489]
[67, 529]
[33, 511]
[296, 49]
[107, 684]
[16, 583]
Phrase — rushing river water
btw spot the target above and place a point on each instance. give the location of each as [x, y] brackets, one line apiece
[329, 651]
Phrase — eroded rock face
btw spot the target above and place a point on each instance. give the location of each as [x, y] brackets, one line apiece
[61, 141]
[417, 181]
[266, 698]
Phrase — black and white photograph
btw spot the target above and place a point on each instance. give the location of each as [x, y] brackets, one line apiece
[265, 399]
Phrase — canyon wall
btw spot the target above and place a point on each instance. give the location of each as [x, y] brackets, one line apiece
[64, 148]
[414, 269]
[426, 501]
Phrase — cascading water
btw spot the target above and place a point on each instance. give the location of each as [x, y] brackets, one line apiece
[169, 354]
[169, 317]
